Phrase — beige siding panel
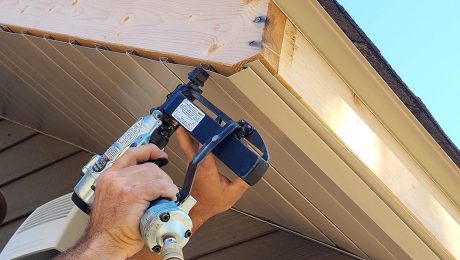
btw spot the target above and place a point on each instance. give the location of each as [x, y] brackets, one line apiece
[30, 155]
[44, 185]
[10, 134]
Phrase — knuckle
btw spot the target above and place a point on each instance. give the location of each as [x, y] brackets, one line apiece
[161, 184]
[126, 192]
[105, 177]
[149, 166]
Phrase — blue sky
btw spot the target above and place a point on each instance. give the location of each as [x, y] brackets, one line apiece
[421, 41]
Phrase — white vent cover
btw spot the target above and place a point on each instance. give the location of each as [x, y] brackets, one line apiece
[53, 210]
[56, 225]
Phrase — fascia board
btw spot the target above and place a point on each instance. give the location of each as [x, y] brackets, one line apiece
[376, 211]
[330, 41]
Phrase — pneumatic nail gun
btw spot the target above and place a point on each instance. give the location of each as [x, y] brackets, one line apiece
[166, 225]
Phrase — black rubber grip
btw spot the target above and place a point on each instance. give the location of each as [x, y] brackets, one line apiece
[160, 161]
[80, 203]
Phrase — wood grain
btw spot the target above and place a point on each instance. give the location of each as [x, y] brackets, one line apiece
[218, 32]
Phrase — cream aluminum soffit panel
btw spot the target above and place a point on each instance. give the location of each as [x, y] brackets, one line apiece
[112, 63]
[216, 94]
[252, 198]
[265, 190]
[100, 90]
[142, 78]
[146, 83]
[349, 189]
[309, 186]
[38, 112]
[342, 55]
[56, 83]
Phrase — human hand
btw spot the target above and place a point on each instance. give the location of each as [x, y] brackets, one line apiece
[214, 192]
[122, 195]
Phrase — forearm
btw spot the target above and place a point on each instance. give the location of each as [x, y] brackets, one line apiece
[92, 247]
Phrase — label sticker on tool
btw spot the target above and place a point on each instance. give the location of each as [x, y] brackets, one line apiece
[188, 115]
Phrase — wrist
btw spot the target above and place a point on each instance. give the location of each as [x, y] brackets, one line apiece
[98, 245]
[199, 216]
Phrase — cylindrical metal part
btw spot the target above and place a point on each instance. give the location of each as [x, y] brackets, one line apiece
[171, 250]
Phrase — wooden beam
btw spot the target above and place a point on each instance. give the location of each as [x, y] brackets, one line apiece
[188, 32]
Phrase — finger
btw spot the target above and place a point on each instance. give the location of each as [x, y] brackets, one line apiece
[154, 189]
[141, 172]
[186, 143]
[138, 155]
[190, 149]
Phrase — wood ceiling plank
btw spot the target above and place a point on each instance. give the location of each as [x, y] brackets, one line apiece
[106, 112]
[97, 75]
[159, 71]
[11, 133]
[30, 155]
[145, 82]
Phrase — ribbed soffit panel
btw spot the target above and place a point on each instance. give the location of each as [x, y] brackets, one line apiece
[89, 97]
